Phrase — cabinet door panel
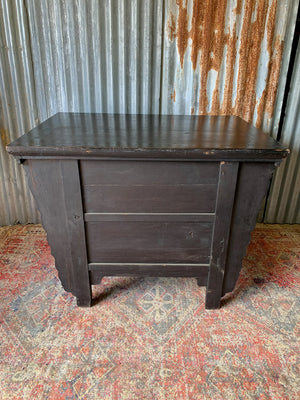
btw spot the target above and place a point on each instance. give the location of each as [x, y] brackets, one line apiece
[161, 242]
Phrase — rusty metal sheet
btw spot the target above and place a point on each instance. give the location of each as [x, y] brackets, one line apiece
[81, 56]
[152, 56]
[223, 57]
[17, 111]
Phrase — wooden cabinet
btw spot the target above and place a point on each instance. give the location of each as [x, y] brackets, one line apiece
[148, 195]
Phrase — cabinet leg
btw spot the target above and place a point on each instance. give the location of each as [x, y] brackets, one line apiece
[201, 281]
[84, 300]
[212, 300]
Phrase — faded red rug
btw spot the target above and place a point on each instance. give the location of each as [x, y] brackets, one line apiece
[150, 338]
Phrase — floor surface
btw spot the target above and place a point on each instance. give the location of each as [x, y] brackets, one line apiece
[150, 339]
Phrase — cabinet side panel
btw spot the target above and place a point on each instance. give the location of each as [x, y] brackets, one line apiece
[61, 211]
[45, 182]
[81, 287]
[252, 185]
[225, 202]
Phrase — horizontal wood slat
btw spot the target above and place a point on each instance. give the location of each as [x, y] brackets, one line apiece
[159, 242]
[150, 217]
[98, 271]
[96, 266]
[148, 199]
[148, 172]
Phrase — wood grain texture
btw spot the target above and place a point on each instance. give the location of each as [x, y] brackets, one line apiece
[153, 173]
[252, 184]
[148, 187]
[146, 241]
[76, 232]
[148, 217]
[98, 271]
[56, 189]
[225, 201]
[79, 135]
[44, 179]
[150, 199]
[148, 195]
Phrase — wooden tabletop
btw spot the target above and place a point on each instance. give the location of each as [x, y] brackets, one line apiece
[84, 135]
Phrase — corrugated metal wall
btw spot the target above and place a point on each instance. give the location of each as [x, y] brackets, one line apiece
[151, 56]
[75, 55]
[284, 201]
[18, 111]
[227, 57]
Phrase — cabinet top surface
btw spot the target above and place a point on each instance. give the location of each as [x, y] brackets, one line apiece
[79, 135]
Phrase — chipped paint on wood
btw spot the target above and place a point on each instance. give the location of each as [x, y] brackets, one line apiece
[233, 52]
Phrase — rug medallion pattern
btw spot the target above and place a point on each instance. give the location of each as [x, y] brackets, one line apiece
[150, 338]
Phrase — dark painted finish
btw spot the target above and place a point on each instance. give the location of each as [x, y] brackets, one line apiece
[149, 217]
[46, 184]
[153, 241]
[148, 195]
[56, 188]
[252, 185]
[225, 200]
[134, 174]
[150, 199]
[98, 271]
[144, 186]
[78, 135]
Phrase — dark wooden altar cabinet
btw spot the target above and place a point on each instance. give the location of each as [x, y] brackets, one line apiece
[148, 195]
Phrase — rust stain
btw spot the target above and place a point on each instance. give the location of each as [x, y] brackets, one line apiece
[245, 45]
[172, 28]
[271, 25]
[260, 108]
[275, 49]
[182, 30]
[192, 110]
[209, 39]
[207, 35]
[232, 38]
[205, 56]
[238, 8]
[226, 107]
[5, 139]
[247, 81]
[218, 45]
[173, 96]
[258, 29]
[196, 32]
[267, 100]
[272, 84]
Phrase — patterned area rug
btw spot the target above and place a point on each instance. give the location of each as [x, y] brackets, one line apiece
[150, 338]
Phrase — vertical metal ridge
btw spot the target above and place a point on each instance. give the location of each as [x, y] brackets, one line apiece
[17, 112]
[134, 57]
[284, 201]
[225, 58]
